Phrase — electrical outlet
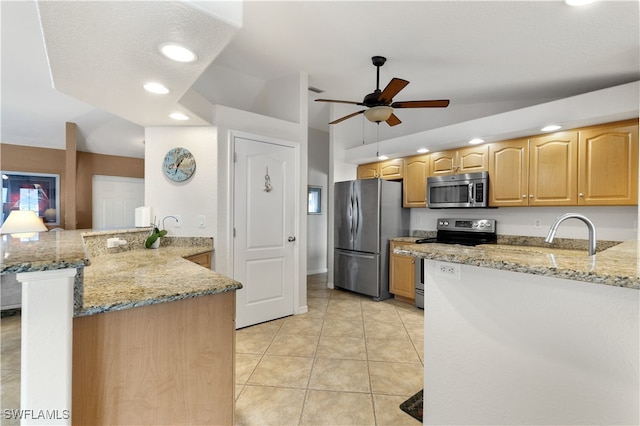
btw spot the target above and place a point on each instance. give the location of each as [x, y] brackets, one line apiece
[449, 270]
[537, 223]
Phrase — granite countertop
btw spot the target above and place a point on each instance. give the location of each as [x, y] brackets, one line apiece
[118, 278]
[45, 251]
[615, 265]
[145, 277]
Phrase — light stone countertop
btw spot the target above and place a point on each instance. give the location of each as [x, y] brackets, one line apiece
[617, 265]
[120, 278]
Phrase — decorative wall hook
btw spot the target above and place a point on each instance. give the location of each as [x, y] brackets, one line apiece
[267, 182]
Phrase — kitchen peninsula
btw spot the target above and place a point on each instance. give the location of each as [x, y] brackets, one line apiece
[521, 334]
[153, 333]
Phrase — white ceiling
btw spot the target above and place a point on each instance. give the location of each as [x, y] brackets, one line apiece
[486, 57]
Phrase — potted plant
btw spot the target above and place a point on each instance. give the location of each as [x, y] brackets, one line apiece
[153, 240]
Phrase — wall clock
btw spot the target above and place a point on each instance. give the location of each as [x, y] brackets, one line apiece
[179, 164]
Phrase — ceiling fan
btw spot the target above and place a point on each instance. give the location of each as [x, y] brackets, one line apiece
[380, 103]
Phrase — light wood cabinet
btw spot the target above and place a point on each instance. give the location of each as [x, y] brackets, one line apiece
[168, 363]
[608, 165]
[202, 259]
[509, 173]
[402, 274]
[392, 169]
[464, 160]
[388, 170]
[368, 171]
[553, 178]
[414, 186]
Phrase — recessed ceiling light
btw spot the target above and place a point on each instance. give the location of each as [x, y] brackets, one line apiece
[551, 128]
[423, 150]
[156, 88]
[476, 141]
[178, 116]
[578, 2]
[177, 53]
[382, 157]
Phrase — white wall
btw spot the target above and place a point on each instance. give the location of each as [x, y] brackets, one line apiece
[612, 223]
[505, 348]
[318, 175]
[191, 198]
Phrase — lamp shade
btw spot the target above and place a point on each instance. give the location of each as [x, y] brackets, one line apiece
[378, 113]
[22, 221]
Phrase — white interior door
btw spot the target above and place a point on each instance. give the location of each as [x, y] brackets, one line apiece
[264, 227]
[115, 200]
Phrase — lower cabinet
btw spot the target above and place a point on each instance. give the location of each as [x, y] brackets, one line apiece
[202, 259]
[402, 274]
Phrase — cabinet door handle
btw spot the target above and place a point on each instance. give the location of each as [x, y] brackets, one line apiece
[581, 194]
[530, 195]
[524, 195]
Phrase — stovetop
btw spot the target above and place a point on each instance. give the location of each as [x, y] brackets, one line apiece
[468, 232]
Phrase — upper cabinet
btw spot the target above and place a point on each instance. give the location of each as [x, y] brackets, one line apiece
[608, 165]
[388, 170]
[509, 173]
[553, 159]
[591, 166]
[595, 166]
[414, 186]
[463, 160]
[369, 171]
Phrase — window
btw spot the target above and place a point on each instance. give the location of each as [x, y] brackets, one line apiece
[38, 192]
[315, 200]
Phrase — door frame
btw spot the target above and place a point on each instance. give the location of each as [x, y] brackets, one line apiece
[233, 135]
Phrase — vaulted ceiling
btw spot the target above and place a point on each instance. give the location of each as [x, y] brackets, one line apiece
[486, 57]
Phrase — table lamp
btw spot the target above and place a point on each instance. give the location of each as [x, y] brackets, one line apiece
[22, 224]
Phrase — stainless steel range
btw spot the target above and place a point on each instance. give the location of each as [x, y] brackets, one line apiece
[466, 232]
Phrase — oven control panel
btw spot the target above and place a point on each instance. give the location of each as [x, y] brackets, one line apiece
[467, 225]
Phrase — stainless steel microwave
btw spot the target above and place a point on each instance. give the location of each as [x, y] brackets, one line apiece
[458, 191]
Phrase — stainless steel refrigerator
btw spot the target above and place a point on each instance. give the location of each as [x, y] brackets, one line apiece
[367, 214]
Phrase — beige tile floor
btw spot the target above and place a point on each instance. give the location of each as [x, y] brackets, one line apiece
[348, 361]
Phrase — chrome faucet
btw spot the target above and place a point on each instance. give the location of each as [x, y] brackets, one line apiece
[590, 225]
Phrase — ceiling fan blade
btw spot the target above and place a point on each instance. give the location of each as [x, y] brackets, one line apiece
[442, 103]
[393, 120]
[392, 89]
[346, 117]
[339, 102]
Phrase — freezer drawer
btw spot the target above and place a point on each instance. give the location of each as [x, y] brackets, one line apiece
[357, 271]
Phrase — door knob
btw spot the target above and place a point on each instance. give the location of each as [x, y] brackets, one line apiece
[291, 239]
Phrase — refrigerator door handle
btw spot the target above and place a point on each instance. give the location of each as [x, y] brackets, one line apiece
[357, 216]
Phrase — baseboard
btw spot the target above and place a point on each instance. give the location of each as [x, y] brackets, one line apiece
[318, 271]
[302, 310]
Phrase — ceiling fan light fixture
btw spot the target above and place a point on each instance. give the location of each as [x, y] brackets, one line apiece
[377, 114]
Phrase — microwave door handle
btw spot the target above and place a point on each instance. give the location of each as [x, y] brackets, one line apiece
[471, 197]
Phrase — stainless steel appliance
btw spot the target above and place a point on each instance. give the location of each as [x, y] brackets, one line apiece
[468, 232]
[458, 191]
[368, 213]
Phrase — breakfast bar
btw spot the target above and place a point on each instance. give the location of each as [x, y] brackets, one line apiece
[520, 332]
[153, 333]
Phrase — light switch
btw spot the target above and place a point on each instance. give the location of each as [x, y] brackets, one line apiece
[202, 221]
